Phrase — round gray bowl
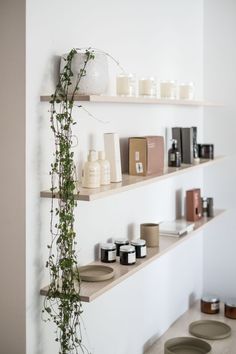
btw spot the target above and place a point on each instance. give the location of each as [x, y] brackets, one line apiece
[186, 345]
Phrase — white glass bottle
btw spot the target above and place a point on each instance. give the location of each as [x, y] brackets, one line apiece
[91, 172]
[105, 170]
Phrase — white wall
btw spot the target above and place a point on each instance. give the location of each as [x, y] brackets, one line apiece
[220, 128]
[12, 177]
[154, 37]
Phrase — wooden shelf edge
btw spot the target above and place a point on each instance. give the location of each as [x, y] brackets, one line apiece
[132, 182]
[136, 99]
[90, 291]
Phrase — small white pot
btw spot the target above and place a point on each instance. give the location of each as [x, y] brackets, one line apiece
[96, 80]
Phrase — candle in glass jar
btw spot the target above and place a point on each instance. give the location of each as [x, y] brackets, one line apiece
[125, 85]
[186, 91]
[147, 87]
[168, 89]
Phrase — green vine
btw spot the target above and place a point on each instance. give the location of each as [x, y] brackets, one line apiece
[62, 303]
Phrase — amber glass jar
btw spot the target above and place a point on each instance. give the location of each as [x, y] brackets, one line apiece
[210, 304]
[230, 309]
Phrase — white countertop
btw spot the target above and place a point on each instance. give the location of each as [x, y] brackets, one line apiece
[180, 329]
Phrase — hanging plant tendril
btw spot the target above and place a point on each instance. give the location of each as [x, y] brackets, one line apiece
[62, 304]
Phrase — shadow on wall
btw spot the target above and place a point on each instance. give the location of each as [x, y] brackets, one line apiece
[153, 341]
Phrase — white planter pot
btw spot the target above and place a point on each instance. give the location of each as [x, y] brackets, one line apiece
[96, 80]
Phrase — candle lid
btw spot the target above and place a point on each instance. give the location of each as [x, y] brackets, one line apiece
[127, 249]
[108, 246]
[190, 83]
[122, 241]
[231, 302]
[138, 242]
[210, 298]
[168, 82]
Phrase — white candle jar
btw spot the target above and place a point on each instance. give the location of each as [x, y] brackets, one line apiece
[186, 91]
[147, 87]
[168, 89]
[126, 85]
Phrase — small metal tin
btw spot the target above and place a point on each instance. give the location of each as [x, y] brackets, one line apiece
[230, 309]
[140, 247]
[108, 252]
[127, 255]
[210, 304]
[120, 242]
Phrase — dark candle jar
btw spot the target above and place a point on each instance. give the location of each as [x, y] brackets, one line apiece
[206, 151]
[230, 309]
[120, 242]
[204, 206]
[140, 247]
[108, 252]
[127, 255]
[210, 304]
[210, 208]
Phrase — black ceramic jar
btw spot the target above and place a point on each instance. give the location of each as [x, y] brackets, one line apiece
[127, 255]
[120, 242]
[108, 252]
[140, 247]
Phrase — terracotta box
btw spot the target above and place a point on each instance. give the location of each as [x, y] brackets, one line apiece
[146, 155]
[193, 205]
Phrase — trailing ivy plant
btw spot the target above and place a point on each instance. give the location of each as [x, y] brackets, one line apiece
[63, 304]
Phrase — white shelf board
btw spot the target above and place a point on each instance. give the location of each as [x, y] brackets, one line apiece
[91, 290]
[137, 99]
[132, 182]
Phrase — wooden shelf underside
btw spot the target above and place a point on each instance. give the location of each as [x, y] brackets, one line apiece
[136, 99]
[132, 182]
[91, 290]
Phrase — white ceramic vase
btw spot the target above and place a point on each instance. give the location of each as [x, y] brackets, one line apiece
[96, 80]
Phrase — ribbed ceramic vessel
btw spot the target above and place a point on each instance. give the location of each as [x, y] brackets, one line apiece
[96, 80]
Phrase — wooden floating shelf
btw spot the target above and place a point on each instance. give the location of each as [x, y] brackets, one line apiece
[138, 99]
[91, 290]
[132, 182]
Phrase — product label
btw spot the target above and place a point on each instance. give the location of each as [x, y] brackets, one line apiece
[139, 167]
[131, 258]
[111, 255]
[172, 157]
[214, 306]
[151, 145]
[136, 156]
[143, 251]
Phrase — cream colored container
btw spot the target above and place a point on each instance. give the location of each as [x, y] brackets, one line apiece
[125, 85]
[186, 91]
[168, 89]
[112, 151]
[91, 171]
[105, 170]
[147, 87]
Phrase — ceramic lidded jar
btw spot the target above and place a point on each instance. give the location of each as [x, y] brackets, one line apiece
[95, 82]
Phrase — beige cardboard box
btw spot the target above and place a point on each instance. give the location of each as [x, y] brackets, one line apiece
[146, 155]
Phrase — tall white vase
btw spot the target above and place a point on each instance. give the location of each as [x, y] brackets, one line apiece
[96, 80]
